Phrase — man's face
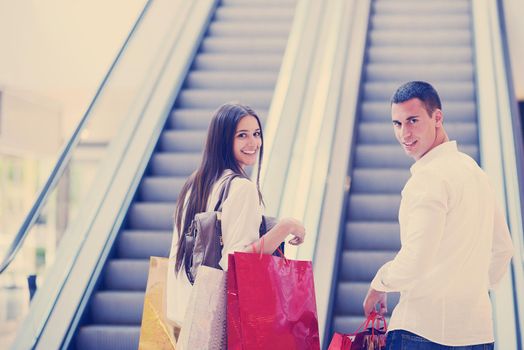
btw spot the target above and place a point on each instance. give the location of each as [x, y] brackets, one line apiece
[414, 128]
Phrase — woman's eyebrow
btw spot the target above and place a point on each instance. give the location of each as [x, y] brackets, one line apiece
[245, 130]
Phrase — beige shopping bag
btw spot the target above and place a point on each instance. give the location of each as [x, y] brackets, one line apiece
[156, 331]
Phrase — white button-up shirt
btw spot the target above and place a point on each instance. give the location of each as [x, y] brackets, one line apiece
[455, 247]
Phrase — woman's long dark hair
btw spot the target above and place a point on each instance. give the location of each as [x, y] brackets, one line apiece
[218, 156]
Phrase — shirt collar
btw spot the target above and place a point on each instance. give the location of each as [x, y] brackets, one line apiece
[442, 149]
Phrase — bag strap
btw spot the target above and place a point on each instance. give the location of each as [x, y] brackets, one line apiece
[224, 192]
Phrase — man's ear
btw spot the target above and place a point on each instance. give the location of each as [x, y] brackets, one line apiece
[439, 118]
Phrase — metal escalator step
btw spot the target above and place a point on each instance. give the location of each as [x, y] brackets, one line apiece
[161, 188]
[249, 29]
[400, 73]
[141, 244]
[394, 54]
[361, 266]
[231, 80]
[372, 235]
[199, 119]
[107, 337]
[373, 207]
[243, 45]
[262, 14]
[151, 216]
[426, 21]
[175, 164]
[381, 156]
[222, 62]
[442, 7]
[126, 274]
[383, 133]
[244, 3]
[182, 140]
[347, 324]
[350, 296]
[392, 156]
[117, 307]
[453, 111]
[424, 37]
[378, 181]
[212, 98]
[448, 91]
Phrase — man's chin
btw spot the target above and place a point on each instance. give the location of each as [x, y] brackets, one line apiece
[411, 154]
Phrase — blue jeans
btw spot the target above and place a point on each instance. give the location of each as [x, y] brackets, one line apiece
[404, 340]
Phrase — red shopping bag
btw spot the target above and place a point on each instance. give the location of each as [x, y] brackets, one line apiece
[373, 337]
[270, 303]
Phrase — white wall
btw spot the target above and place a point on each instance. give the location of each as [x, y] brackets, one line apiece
[61, 49]
[29, 124]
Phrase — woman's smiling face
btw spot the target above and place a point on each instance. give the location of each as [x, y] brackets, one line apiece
[247, 142]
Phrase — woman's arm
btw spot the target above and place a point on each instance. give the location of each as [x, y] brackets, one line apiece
[241, 217]
[272, 239]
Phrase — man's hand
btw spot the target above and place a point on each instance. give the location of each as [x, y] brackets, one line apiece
[373, 298]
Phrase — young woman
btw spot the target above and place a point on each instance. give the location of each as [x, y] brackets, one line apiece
[234, 141]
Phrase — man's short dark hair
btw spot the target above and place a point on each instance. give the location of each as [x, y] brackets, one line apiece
[421, 90]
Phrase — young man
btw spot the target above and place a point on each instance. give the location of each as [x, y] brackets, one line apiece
[455, 241]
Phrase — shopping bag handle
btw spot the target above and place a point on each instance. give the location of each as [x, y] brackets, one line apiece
[372, 318]
[254, 251]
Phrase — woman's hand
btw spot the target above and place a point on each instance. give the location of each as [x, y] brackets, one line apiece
[373, 298]
[295, 228]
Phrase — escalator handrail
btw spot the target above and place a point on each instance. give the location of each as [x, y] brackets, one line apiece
[499, 154]
[513, 105]
[517, 216]
[64, 157]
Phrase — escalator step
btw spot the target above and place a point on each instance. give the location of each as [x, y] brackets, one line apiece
[175, 164]
[400, 38]
[108, 337]
[160, 189]
[442, 7]
[117, 307]
[151, 216]
[427, 54]
[198, 119]
[126, 274]
[247, 45]
[182, 140]
[361, 266]
[200, 98]
[373, 207]
[248, 29]
[400, 22]
[223, 62]
[227, 80]
[455, 91]
[379, 181]
[372, 235]
[400, 73]
[264, 13]
[136, 244]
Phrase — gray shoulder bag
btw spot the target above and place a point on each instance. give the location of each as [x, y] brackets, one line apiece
[203, 241]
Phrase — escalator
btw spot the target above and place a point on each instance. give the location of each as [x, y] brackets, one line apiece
[238, 60]
[406, 40]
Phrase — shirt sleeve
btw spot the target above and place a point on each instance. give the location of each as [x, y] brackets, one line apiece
[424, 208]
[502, 248]
[241, 217]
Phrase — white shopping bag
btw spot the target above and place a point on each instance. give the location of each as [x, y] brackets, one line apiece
[204, 325]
